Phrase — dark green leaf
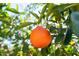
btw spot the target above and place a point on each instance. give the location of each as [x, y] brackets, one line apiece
[68, 36]
[53, 29]
[60, 36]
[44, 51]
[58, 52]
[25, 48]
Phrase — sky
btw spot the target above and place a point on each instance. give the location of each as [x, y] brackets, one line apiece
[20, 5]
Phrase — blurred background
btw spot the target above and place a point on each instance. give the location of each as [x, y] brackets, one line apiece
[17, 20]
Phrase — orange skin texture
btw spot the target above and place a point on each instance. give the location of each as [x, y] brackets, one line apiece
[40, 37]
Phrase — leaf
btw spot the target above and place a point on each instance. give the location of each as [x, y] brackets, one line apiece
[44, 9]
[12, 10]
[22, 13]
[40, 18]
[60, 51]
[5, 21]
[17, 7]
[57, 15]
[25, 48]
[8, 8]
[2, 5]
[17, 36]
[42, 15]
[75, 22]
[24, 24]
[52, 49]
[69, 50]
[70, 6]
[35, 15]
[50, 8]
[52, 29]
[68, 36]
[9, 4]
[44, 51]
[61, 7]
[60, 36]
[16, 49]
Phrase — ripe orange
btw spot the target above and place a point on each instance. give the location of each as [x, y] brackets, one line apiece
[40, 37]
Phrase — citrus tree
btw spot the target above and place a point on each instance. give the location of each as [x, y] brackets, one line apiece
[50, 31]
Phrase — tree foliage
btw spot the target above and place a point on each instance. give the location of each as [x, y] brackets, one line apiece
[61, 20]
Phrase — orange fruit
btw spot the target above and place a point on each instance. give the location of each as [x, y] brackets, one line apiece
[40, 37]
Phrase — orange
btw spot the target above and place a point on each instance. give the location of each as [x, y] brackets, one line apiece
[40, 37]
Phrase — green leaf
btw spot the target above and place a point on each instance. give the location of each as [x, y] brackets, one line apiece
[52, 49]
[58, 52]
[17, 36]
[22, 13]
[42, 15]
[35, 15]
[44, 51]
[8, 8]
[75, 22]
[50, 8]
[9, 4]
[12, 10]
[44, 9]
[69, 50]
[61, 7]
[17, 7]
[68, 36]
[5, 21]
[52, 29]
[24, 24]
[70, 6]
[60, 36]
[57, 15]
[2, 5]
[25, 48]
